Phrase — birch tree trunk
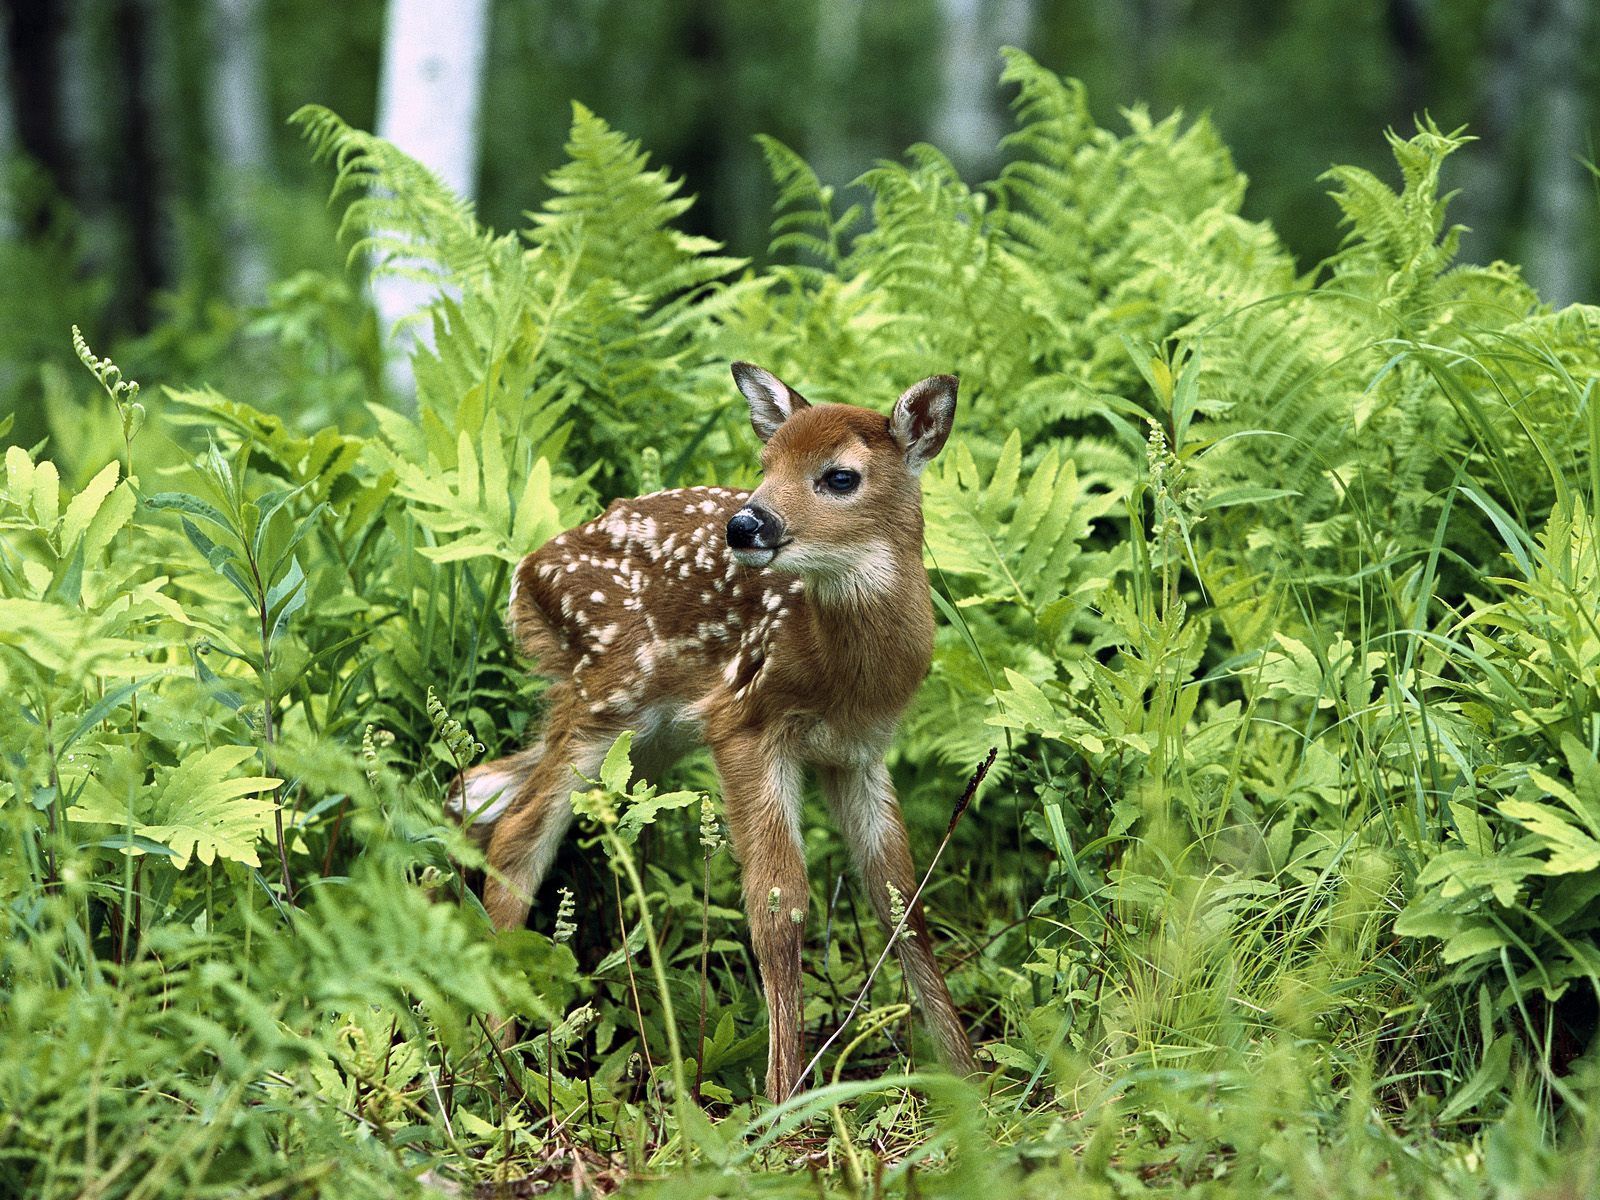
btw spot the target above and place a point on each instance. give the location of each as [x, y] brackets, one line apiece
[240, 121]
[429, 99]
[829, 146]
[968, 123]
[1556, 248]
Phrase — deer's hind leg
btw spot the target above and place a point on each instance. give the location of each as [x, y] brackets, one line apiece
[539, 783]
[489, 789]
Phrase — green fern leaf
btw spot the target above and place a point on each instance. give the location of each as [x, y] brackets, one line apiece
[199, 810]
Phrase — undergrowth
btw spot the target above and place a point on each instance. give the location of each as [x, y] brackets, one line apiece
[1276, 589]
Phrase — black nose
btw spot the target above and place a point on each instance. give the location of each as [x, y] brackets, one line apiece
[751, 528]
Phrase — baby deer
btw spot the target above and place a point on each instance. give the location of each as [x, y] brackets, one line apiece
[783, 628]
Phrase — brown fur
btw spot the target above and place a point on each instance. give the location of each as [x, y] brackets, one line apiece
[645, 620]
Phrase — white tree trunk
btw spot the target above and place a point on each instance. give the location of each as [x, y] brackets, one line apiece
[240, 131]
[829, 148]
[968, 124]
[429, 99]
[1555, 243]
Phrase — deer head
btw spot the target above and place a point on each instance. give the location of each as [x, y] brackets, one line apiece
[840, 496]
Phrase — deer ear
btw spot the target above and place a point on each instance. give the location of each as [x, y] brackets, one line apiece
[922, 418]
[772, 401]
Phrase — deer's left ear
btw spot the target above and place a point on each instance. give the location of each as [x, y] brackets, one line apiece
[771, 400]
[922, 418]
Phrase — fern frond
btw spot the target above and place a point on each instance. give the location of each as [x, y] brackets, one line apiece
[400, 214]
[803, 221]
[621, 211]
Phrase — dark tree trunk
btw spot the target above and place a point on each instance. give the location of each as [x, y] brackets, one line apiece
[1408, 34]
[137, 182]
[33, 44]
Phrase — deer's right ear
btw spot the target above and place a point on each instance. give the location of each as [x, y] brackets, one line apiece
[772, 401]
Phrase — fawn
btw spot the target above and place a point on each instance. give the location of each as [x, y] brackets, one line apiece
[783, 628]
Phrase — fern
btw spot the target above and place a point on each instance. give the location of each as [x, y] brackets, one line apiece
[621, 212]
[400, 215]
[803, 221]
[199, 810]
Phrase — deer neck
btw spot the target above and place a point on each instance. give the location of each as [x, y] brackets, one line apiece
[873, 631]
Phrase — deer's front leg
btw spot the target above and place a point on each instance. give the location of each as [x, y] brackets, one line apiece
[761, 792]
[864, 804]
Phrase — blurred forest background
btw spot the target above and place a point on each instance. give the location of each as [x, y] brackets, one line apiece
[153, 187]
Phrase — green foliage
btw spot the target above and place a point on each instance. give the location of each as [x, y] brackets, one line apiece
[1279, 590]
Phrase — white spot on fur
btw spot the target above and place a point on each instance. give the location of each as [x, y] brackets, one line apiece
[597, 596]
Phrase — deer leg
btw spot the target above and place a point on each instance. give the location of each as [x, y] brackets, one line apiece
[864, 804]
[761, 791]
[529, 831]
[484, 792]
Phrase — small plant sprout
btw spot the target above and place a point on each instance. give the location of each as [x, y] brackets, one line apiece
[463, 747]
[774, 900]
[565, 929]
[897, 913]
[710, 827]
[124, 394]
[373, 742]
[649, 470]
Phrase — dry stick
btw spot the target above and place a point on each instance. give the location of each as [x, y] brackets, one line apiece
[894, 934]
[267, 702]
[333, 838]
[505, 1068]
[633, 988]
[705, 953]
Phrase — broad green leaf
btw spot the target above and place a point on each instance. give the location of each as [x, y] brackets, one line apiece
[198, 810]
[617, 768]
[82, 508]
[1470, 943]
[1571, 850]
[1492, 1075]
[646, 805]
[46, 494]
[19, 476]
[109, 519]
[183, 502]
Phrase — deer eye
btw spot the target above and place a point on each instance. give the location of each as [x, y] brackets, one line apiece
[842, 481]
